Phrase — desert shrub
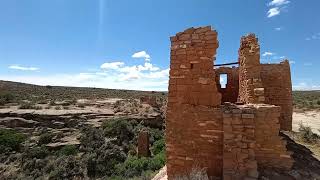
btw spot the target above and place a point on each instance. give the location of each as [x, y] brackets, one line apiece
[81, 105]
[307, 135]
[6, 98]
[45, 138]
[68, 150]
[91, 138]
[10, 140]
[66, 168]
[119, 128]
[52, 103]
[104, 160]
[27, 105]
[137, 167]
[38, 107]
[133, 166]
[158, 147]
[66, 107]
[158, 161]
[57, 108]
[32, 168]
[36, 152]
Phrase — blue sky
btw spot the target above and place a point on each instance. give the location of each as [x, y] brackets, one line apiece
[125, 43]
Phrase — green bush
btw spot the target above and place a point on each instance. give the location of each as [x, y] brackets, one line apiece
[66, 168]
[307, 134]
[6, 98]
[91, 138]
[136, 167]
[38, 107]
[10, 140]
[27, 105]
[133, 166]
[158, 147]
[119, 128]
[158, 161]
[104, 160]
[68, 150]
[45, 138]
[36, 152]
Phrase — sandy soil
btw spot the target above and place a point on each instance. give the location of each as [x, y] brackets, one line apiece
[307, 118]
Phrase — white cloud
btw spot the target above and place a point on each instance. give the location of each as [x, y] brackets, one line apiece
[278, 2]
[315, 36]
[306, 86]
[112, 74]
[267, 54]
[112, 65]
[148, 67]
[273, 12]
[22, 68]
[142, 54]
[153, 81]
[278, 28]
[307, 64]
[277, 7]
[292, 62]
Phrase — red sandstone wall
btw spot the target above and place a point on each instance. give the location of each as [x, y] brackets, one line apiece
[193, 126]
[231, 92]
[250, 84]
[239, 141]
[276, 79]
[251, 139]
[270, 149]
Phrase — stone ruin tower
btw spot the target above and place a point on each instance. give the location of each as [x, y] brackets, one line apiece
[229, 132]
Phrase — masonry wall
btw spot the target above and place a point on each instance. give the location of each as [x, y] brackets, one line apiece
[231, 92]
[270, 149]
[193, 124]
[251, 140]
[238, 144]
[276, 79]
[250, 83]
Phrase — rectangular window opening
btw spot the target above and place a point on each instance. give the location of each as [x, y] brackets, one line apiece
[223, 80]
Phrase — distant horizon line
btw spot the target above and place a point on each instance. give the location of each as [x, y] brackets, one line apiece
[70, 86]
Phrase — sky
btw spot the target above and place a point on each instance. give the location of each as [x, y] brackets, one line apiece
[124, 44]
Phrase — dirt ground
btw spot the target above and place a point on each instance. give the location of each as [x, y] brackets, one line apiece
[307, 118]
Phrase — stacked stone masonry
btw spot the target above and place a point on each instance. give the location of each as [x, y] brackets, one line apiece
[239, 142]
[194, 130]
[276, 79]
[143, 144]
[202, 131]
[251, 89]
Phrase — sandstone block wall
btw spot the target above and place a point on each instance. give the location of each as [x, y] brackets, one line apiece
[229, 141]
[276, 79]
[231, 92]
[193, 125]
[270, 149]
[251, 139]
[238, 143]
[250, 86]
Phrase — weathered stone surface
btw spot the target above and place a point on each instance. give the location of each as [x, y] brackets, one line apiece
[229, 141]
[143, 144]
